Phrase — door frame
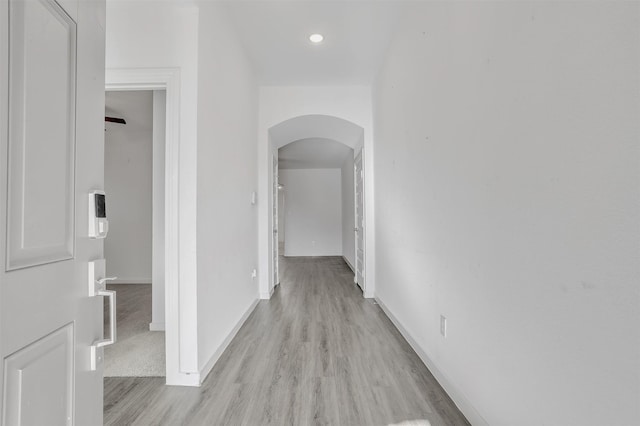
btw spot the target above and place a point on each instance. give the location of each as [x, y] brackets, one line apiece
[4, 145]
[356, 153]
[167, 79]
[275, 238]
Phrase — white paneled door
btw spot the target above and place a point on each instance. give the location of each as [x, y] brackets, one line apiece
[358, 177]
[275, 239]
[51, 156]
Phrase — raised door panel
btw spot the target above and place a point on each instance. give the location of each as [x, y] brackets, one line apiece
[41, 133]
[38, 382]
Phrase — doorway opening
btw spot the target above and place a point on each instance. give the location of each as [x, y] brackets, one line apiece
[314, 195]
[167, 79]
[134, 249]
[315, 175]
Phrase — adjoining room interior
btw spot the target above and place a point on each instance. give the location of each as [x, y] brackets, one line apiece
[317, 154]
[134, 174]
[315, 199]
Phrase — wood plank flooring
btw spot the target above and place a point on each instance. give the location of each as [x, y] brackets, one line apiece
[317, 353]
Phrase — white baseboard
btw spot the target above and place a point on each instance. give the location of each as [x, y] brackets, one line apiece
[184, 379]
[267, 295]
[218, 353]
[456, 395]
[156, 326]
[349, 264]
[131, 281]
[369, 295]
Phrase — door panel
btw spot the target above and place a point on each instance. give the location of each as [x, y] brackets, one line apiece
[29, 400]
[41, 133]
[51, 154]
[358, 176]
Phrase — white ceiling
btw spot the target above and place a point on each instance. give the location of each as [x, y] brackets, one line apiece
[275, 35]
[313, 153]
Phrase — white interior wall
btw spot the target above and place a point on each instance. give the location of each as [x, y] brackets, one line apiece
[227, 175]
[158, 213]
[149, 35]
[507, 199]
[280, 103]
[313, 225]
[348, 212]
[128, 185]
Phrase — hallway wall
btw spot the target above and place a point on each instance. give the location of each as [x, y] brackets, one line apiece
[143, 35]
[507, 199]
[227, 175]
[218, 119]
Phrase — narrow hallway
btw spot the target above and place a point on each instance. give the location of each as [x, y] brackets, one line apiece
[316, 353]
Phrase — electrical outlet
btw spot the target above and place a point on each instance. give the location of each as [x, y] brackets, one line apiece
[254, 273]
[443, 326]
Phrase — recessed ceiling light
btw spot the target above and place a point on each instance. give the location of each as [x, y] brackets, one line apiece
[316, 38]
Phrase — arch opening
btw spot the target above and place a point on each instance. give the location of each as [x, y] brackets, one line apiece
[312, 150]
[316, 126]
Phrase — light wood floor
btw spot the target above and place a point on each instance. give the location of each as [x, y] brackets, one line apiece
[316, 353]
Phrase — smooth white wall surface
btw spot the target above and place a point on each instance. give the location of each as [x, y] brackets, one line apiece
[143, 35]
[281, 103]
[128, 185]
[313, 225]
[157, 237]
[348, 212]
[227, 175]
[507, 199]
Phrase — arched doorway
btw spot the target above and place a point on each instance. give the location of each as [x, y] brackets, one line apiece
[305, 132]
